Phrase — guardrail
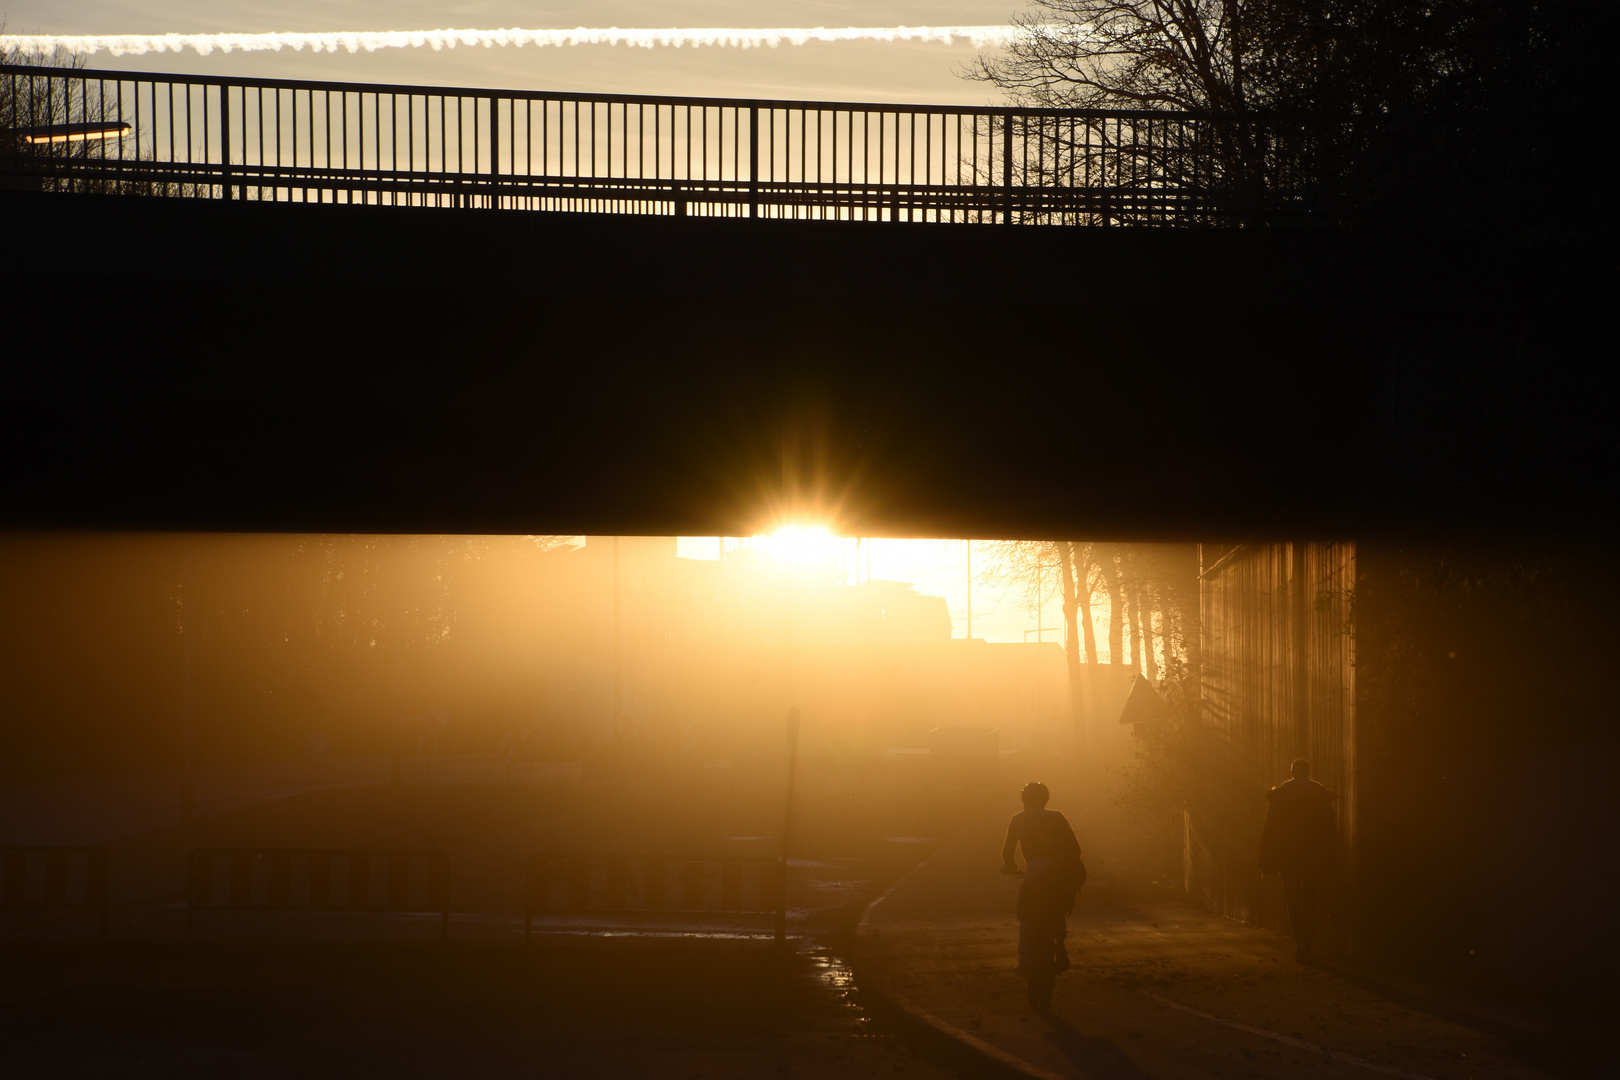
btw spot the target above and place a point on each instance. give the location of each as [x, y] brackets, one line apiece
[55, 878]
[648, 884]
[396, 145]
[318, 879]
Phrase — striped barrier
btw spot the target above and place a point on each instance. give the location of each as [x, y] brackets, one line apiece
[54, 879]
[647, 885]
[321, 879]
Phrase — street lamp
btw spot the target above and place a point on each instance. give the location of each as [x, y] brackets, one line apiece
[787, 827]
[69, 133]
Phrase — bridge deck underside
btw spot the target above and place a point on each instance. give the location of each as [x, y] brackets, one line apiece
[249, 365]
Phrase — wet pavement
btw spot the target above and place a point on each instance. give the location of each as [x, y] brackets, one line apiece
[1159, 989]
[369, 993]
[619, 1008]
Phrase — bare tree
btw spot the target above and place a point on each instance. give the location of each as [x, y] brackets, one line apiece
[1108, 573]
[1029, 569]
[1152, 592]
[1361, 102]
[1157, 54]
[60, 99]
[1133, 613]
[1078, 590]
[1214, 58]
[1231, 58]
[1040, 571]
[30, 101]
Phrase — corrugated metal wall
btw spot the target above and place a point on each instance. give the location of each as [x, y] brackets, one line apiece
[1277, 680]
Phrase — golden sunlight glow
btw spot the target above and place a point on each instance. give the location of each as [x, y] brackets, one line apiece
[801, 545]
[934, 567]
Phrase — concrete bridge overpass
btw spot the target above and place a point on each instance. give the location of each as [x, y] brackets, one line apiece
[255, 304]
[204, 334]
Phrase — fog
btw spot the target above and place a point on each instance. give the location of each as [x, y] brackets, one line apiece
[535, 647]
[319, 741]
[242, 669]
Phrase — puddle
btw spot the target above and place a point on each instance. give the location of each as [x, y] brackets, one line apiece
[837, 981]
[667, 935]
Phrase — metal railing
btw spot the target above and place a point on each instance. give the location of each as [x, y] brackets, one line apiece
[646, 885]
[318, 879]
[55, 879]
[331, 142]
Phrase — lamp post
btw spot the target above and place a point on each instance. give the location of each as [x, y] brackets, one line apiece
[618, 652]
[188, 633]
[787, 827]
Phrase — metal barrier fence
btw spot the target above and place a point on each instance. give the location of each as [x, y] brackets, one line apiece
[331, 142]
[648, 884]
[55, 878]
[299, 879]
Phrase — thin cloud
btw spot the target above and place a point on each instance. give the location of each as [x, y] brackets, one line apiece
[371, 41]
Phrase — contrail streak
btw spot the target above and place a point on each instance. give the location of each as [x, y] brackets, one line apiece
[371, 41]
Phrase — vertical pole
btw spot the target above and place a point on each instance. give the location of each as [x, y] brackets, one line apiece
[1300, 647]
[188, 633]
[787, 827]
[99, 890]
[396, 737]
[1040, 602]
[494, 146]
[1006, 168]
[225, 140]
[617, 653]
[753, 161]
[1040, 618]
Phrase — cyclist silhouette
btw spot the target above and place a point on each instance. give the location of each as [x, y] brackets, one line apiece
[1053, 874]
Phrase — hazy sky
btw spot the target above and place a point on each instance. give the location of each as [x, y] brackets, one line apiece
[854, 71]
[937, 568]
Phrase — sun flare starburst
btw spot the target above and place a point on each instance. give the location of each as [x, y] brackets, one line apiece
[801, 545]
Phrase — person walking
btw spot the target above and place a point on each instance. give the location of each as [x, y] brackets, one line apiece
[1298, 843]
[1053, 875]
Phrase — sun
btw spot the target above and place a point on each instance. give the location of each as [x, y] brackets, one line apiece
[802, 545]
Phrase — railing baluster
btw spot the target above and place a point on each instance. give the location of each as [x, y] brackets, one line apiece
[224, 137]
[494, 146]
[753, 161]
